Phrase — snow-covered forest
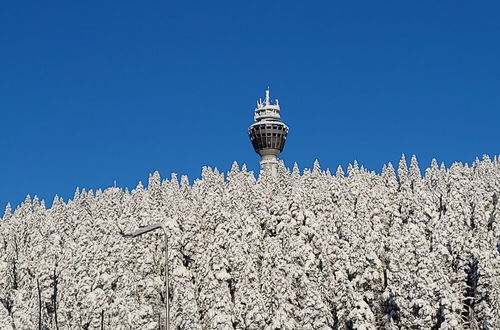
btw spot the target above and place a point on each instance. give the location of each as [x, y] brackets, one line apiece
[307, 250]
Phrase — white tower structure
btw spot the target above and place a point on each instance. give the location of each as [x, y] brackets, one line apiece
[268, 133]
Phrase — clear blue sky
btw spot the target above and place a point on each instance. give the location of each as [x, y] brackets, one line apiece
[97, 91]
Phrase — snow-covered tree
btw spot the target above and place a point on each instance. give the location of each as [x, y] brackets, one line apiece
[303, 250]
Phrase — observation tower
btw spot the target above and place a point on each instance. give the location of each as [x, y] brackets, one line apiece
[268, 133]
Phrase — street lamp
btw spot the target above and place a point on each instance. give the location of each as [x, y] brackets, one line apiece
[147, 229]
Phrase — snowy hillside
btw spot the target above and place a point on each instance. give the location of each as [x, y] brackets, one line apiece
[354, 250]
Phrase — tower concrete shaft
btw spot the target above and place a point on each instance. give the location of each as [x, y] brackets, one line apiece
[268, 134]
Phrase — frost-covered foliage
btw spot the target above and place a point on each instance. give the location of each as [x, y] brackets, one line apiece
[301, 251]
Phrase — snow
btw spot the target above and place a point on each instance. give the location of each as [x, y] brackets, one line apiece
[311, 251]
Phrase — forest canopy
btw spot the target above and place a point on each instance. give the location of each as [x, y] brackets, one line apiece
[305, 250]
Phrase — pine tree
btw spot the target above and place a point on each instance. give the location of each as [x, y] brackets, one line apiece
[299, 251]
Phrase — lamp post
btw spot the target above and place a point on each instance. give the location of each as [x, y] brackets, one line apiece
[147, 229]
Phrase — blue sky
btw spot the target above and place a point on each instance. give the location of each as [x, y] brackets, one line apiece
[97, 91]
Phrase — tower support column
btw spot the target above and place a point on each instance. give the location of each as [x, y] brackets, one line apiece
[269, 163]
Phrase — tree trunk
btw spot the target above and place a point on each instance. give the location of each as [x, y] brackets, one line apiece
[39, 304]
[54, 298]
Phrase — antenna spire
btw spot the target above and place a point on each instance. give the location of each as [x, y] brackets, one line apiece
[267, 96]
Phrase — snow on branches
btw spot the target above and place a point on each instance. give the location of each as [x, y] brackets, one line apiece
[310, 250]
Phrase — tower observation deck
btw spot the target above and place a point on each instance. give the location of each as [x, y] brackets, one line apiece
[268, 133]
